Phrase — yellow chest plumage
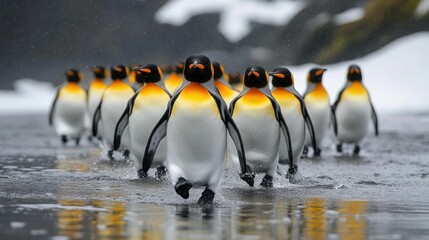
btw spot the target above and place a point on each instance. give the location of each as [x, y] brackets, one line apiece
[173, 82]
[286, 99]
[318, 94]
[226, 92]
[194, 98]
[254, 102]
[72, 90]
[356, 91]
[151, 94]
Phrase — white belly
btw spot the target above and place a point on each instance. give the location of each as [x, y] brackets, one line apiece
[261, 138]
[320, 114]
[111, 111]
[69, 116]
[141, 124]
[296, 126]
[196, 145]
[352, 120]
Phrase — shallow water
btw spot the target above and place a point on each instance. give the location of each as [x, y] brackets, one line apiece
[49, 191]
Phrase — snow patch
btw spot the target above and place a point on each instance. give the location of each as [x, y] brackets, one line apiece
[422, 9]
[394, 75]
[30, 96]
[236, 16]
[348, 16]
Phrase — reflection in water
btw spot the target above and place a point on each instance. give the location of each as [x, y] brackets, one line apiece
[315, 219]
[352, 222]
[110, 224]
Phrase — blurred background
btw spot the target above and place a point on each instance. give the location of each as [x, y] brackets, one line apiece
[40, 39]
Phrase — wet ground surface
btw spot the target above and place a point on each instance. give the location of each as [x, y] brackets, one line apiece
[50, 191]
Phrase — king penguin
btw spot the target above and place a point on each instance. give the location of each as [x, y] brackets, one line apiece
[236, 80]
[113, 102]
[316, 99]
[258, 117]
[175, 80]
[352, 111]
[95, 91]
[196, 123]
[295, 114]
[67, 113]
[227, 92]
[143, 111]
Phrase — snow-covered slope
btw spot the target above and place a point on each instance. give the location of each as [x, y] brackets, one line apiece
[396, 77]
[236, 16]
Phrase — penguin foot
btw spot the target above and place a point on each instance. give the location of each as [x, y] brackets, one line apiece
[126, 154]
[110, 154]
[64, 139]
[267, 181]
[77, 140]
[304, 152]
[182, 188]
[317, 152]
[293, 169]
[206, 197]
[161, 172]
[356, 150]
[248, 177]
[141, 174]
[340, 148]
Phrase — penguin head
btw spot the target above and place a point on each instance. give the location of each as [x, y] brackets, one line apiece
[167, 69]
[99, 72]
[73, 75]
[315, 75]
[178, 68]
[255, 77]
[234, 78]
[150, 73]
[198, 68]
[217, 70]
[282, 77]
[354, 74]
[119, 72]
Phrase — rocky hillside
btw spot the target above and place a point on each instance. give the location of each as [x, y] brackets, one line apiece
[42, 38]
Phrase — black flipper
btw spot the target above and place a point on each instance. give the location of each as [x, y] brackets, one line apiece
[158, 133]
[230, 125]
[51, 112]
[123, 122]
[96, 119]
[374, 118]
[307, 120]
[334, 108]
[283, 124]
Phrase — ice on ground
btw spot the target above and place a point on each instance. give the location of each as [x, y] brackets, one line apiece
[348, 16]
[57, 206]
[17, 224]
[236, 16]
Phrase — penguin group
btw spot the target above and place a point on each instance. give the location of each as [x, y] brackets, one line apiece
[190, 119]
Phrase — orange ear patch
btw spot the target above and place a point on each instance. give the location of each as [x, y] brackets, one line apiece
[279, 75]
[319, 72]
[145, 70]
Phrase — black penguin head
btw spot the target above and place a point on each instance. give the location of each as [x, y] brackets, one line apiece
[178, 68]
[354, 73]
[282, 77]
[73, 75]
[198, 68]
[315, 75]
[256, 77]
[119, 72]
[150, 73]
[99, 72]
[217, 70]
[234, 78]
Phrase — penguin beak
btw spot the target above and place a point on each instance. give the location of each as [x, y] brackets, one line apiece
[275, 74]
[256, 74]
[145, 70]
[118, 69]
[196, 65]
[320, 72]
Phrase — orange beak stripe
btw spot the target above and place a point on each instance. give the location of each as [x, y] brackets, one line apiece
[118, 69]
[146, 70]
[70, 73]
[279, 75]
[253, 73]
[200, 66]
[320, 72]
